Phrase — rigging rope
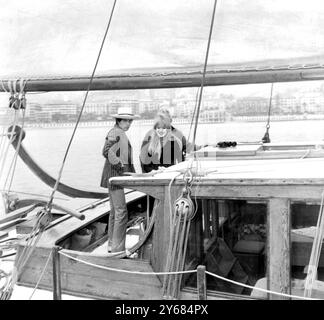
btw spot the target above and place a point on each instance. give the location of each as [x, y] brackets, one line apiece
[43, 216]
[31, 241]
[22, 105]
[183, 272]
[41, 276]
[204, 71]
[316, 252]
[179, 220]
[122, 270]
[6, 276]
[3, 139]
[193, 114]
[49, 204]
[171, 234]
[13, 164]
[266, 137]
[256, 288]
[34, 194]
[5, 153]
[179, 223]
[3, 87]
[17, 103]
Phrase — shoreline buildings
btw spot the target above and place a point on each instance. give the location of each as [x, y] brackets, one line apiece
[215, 107]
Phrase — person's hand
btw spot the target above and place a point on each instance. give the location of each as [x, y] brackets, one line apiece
[122, 167]
[119, 166]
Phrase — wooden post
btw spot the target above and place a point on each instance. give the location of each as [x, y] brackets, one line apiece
[278, 266]
[57, 294]
[201, 283]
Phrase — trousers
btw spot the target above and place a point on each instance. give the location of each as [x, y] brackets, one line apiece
[118, 218]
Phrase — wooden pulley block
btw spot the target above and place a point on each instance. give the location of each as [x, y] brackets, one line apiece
[44, 218]
[185, 207]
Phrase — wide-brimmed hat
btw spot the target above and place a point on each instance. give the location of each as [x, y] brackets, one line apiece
[125, 113]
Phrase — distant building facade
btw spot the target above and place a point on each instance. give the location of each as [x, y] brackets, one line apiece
[110, 107]
[51, 112]
[215, 106]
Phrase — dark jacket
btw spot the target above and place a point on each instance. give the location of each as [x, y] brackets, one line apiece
[172, 151]
[119, 155]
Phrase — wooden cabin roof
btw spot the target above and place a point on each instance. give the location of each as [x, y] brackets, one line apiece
[270, 171]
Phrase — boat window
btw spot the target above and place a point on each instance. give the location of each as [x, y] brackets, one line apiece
[303, 227]
[229, 237]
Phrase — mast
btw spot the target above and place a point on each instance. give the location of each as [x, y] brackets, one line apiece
[175, 78]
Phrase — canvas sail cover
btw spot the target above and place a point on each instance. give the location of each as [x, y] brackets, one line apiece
[53, 38]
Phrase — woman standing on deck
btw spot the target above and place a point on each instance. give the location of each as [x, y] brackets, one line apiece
[164, 145]
[119, 159]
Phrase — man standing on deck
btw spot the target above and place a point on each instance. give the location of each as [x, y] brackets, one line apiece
[119, 159]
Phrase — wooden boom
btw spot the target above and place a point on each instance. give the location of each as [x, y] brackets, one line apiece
[176, 78]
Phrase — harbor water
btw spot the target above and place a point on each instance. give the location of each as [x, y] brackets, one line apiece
[85, 162]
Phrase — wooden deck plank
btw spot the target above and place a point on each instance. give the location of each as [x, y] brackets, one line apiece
[81, 279]
[86, 285]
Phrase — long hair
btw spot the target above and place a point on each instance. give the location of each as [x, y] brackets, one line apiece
[155, 146]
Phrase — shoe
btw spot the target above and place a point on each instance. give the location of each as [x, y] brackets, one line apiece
[133, 256]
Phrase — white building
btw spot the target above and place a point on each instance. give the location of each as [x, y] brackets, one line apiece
[312, 102]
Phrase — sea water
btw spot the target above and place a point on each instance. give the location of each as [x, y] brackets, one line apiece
[85, 162]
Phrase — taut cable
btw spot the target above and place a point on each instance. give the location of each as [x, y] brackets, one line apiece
[81, 111]
[204, 72]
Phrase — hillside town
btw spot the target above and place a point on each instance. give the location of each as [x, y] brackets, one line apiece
[216, 107]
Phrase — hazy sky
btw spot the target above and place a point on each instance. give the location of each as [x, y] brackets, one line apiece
[62, 37]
